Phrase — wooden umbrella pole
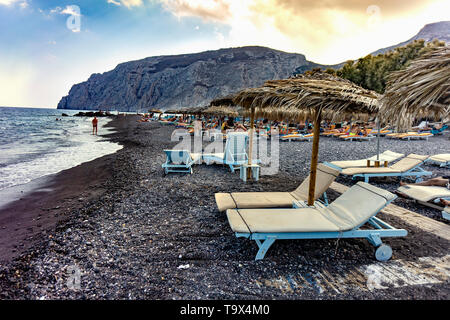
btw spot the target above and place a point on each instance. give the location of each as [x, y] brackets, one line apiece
[250, 148]
[314, 157]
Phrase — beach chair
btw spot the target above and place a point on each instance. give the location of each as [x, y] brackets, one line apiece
[240, 200]
[416, 136]
[446, 213]
[406, 167]
[443, 159]
[387, 155]
[343, 218]
[382, 132]
[426, 195]
[297, 137]
[351, 137]
[440, 130]
[180, 161]
[235, 153]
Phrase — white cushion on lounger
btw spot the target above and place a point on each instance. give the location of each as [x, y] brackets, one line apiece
[325, 176]
[388, 156]
[254, 200]
[403, 165]
[345, 213]
[424, 193]
[279, 220]
[443, 157]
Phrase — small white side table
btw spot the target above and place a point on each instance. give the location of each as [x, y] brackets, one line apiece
[255, 171]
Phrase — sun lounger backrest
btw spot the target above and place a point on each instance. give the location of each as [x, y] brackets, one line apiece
[236, 147]
[355, 206]
[178, 156]
[409, 162]
[325, 177]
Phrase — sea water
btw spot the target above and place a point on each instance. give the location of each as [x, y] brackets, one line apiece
[33, 144]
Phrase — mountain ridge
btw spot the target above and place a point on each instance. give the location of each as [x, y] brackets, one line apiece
[191, 80]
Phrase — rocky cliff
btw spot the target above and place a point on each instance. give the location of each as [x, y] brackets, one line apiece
[191, 80]
[188, 80]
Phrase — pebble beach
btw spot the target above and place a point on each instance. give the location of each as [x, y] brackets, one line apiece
[134, 233]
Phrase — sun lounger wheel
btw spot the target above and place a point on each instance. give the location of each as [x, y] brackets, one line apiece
[383, 253]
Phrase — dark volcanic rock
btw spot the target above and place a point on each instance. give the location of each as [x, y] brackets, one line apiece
[188, 80]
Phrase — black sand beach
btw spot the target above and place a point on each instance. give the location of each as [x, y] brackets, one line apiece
[136, 234]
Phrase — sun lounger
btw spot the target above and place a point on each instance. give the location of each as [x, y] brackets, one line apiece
[426, 195]
[352, 137]
[443, 159]
[440, 130]
[406, 167]
[416, 136]
[235, 153]
[180, 161]
[388, 156]
[410, 135]
[240, 200]
[341, 219]
[382, 132]
[297, 137]
[446, 213]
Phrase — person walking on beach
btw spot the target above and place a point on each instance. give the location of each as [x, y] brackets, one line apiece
[94, 125]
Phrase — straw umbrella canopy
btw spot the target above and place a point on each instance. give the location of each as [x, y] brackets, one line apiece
[155, 111]
[315, 96]
[420, 90]
[223, 111]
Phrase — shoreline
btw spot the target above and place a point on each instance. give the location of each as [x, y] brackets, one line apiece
[29, 211]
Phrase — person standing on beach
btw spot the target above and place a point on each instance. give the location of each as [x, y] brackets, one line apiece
[94, 125]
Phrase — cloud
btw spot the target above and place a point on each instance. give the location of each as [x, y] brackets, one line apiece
[126, 3]
[71, 11]
[329, 31]
[8, 2]
[117, 3]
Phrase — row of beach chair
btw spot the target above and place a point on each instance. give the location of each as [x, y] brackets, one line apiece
[269, 216]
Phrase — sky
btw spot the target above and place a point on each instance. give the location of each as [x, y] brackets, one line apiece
[46, 46]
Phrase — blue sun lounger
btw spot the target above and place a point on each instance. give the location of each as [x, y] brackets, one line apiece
[409, 166]
[446, 213]
[341, 219]
[180, 161]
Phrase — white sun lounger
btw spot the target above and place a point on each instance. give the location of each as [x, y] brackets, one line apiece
[297, 137]
[443, 159]
[240, 200]
[409, 166]
[388, 156]
[341, 219]
[426, 195]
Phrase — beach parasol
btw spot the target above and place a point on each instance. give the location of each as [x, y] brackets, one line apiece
[313, 96]
[420, 90]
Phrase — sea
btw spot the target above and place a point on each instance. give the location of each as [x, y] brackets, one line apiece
[34, 144]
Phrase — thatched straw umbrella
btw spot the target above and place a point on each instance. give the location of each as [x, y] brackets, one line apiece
[316, 96]
[155, 111]
[420, 90]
